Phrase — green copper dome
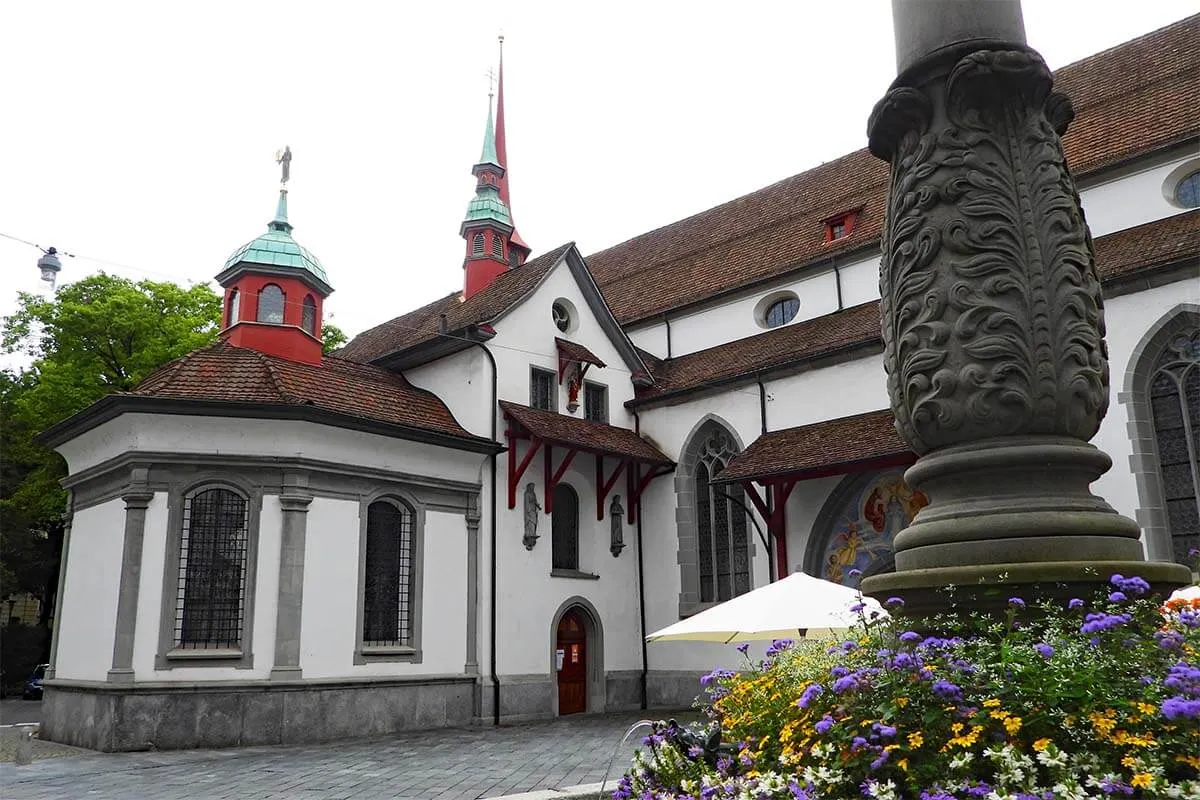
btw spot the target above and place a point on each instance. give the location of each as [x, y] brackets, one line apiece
[486, 205]
[276, 248]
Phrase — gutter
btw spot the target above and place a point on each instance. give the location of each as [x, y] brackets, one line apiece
[495, 412]
[637, 428]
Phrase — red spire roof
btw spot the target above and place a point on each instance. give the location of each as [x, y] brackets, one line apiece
[502, 152]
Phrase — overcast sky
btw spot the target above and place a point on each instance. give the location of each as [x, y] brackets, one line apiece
[144, 133]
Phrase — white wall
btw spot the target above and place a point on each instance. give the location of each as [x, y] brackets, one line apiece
[329, 618]
[1133, 198]
[463, 381]
[88, 610]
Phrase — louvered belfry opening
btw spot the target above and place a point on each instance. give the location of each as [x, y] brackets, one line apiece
[387, 598]
[210, 604]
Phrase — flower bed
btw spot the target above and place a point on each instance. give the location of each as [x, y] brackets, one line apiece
[1088, 699]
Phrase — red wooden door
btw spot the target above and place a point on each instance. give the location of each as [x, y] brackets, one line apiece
[571, 642]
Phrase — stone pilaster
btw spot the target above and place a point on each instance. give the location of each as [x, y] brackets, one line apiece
[137, 497]
[294, 501]
[471, 667]
[992, 317]
[64, 553]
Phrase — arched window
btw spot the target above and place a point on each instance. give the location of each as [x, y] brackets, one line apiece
[564, 529]
[1187, 191]
[497, 247]
[235, 304]
[308, 318]
[477, 245]
[211, 600]
[1174, 400]
[270, 304]
[714, 545]
[388, 576]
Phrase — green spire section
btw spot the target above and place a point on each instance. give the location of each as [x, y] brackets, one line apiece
[488, 156]
[487, 206]
[276, 248]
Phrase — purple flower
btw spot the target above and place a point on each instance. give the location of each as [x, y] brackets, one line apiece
[857, 607]
[1117, 597]
[798, 793]
[743, 648]
[845, 684]
[1044, 650]
[778, 646]
[839, 671]
[909, 636]
[879, 762]
[1133, 585]
[1193, 552]
[946, 690]
[857, 743]
[980, 789]
[1016, 602]
[724, 765]
[1094, 623]
[695, 751]
[886, 731]
[824, 724]
[810, 694]
[1075, 602]
[894, 602]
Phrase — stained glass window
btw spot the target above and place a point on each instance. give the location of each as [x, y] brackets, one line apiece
[1175, 408]
[723, 547]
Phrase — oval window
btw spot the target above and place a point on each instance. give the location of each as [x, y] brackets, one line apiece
[562, 317]
[781, 312]
[1187, 191]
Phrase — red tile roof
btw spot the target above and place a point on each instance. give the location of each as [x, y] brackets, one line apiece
[1134, 98]
[1118, 255]
[833, 447]
[583, 434]
[573, 351]
[223, 373]
[421, 325]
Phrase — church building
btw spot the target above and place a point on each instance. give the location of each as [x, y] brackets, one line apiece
[473, 513]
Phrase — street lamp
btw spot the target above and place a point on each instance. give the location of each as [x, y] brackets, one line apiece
[50, 266]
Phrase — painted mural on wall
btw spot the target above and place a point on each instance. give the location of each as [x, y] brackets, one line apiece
[865, 519]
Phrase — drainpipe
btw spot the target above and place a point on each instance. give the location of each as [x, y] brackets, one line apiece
[667, 322]
[837, 279]
[762, 404]
[492, 527]
[637, 428]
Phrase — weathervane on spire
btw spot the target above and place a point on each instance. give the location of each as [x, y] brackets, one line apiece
[491, 74]
[284, 159]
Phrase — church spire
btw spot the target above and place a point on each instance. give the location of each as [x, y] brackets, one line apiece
[519, 248]
[487, 225]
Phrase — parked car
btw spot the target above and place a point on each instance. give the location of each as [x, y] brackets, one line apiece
[33, 686]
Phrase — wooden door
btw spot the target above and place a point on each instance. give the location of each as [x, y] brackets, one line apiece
[571, 643]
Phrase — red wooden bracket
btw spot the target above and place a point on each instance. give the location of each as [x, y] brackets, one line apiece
[605, 485]
[515, 470]
[773, 507]
[553, 476]
[636, 483]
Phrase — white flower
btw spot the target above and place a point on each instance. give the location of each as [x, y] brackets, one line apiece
[1052, 757]
[961, 760]
[1072, 791]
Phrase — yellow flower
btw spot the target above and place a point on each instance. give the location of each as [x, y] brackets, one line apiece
[1146, 708]
[1128, 762]
[998, 714]
[915, 740]
[902, 702]
[1142, 780]
[1041, 744]
[1012, 725]
[1103, 723]
[903, 764]
[1191, 761]
[991, 703]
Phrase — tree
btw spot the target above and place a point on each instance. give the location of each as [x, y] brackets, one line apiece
[332, 337]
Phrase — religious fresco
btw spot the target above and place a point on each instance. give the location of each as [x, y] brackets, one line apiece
[864, 518]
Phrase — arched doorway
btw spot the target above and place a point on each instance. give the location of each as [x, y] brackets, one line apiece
[570, 653]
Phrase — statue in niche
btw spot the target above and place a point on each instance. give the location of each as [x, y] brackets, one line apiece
[533, 510]
[615, 512]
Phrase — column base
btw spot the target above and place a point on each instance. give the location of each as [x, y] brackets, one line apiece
[987, 587]
[286, 673]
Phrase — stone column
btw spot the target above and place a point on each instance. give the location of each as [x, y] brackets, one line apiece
[64, 553]
[294, 501]
[992, 318]
[137, 497]
[471, 667]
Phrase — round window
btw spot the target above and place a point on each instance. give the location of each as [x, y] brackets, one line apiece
[562, 316]
[782, 311]
[1187, 191]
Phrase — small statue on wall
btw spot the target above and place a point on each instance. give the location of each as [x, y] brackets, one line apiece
[533, 510]
[615, 512]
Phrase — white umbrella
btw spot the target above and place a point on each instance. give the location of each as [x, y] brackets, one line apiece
[796, 606]
[1186, 593]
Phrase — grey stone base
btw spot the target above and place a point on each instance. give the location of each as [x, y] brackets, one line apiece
[623, 690]
[167, 716]
[670, 689]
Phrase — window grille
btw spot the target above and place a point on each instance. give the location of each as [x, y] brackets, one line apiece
[541, 390]
[210, 602]
[595, 402]
[723, 544]
[1175, 408]
[1187, 191]
[387, 594]
[497, 247]
[477, 245]
[270, 304]
[564, 529]
[782, 311]
[308, 318]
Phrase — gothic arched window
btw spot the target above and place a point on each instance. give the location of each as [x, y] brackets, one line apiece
[1174, 399]
[714, 545]
[308, 317]
[564, 529]
[270, 304]
[388, 576]
[214, 542]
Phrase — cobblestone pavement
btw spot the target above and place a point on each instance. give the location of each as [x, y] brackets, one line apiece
[451, 763]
